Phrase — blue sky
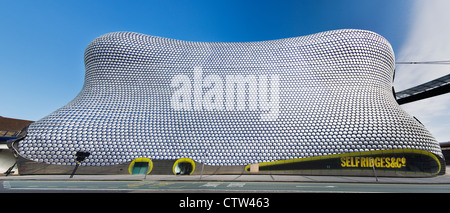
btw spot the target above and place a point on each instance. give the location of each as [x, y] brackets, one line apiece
[42, 43]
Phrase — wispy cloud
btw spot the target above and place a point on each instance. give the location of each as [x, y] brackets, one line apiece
[428, 40]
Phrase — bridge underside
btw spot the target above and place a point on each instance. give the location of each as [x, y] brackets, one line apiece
[427, 90]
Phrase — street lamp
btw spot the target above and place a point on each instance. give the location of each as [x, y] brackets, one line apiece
[80, 157]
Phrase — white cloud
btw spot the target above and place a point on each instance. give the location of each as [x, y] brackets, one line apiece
[434, 113]
[428, 40]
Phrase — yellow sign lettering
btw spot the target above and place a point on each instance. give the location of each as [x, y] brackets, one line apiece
[343, 162]
[378, 162]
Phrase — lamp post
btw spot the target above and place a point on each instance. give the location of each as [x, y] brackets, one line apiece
[80, 157]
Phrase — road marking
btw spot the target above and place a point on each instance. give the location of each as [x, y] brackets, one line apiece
[211, 185]
[236, 185]
[6, 185]
[315, 186]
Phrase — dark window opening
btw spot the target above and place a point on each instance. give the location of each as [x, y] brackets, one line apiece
[183, 168]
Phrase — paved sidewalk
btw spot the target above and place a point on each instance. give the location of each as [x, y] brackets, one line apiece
[443, 179]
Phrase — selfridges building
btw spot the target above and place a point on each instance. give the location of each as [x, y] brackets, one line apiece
[321, 104]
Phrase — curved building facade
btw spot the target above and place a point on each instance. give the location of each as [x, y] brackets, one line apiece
[317, 104]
